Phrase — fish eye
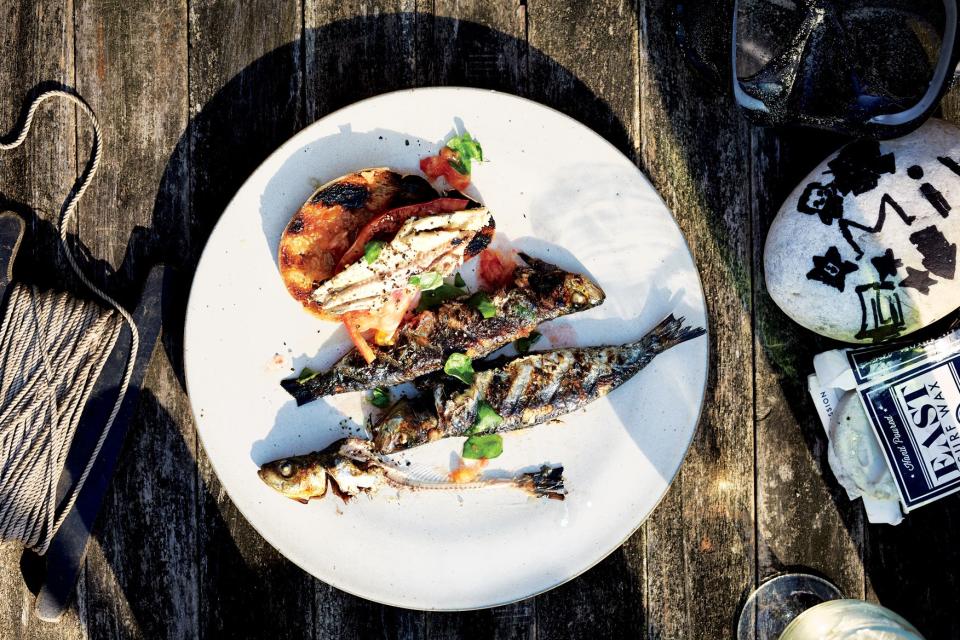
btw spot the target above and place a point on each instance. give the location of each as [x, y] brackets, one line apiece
[578, 298]
[285, 468]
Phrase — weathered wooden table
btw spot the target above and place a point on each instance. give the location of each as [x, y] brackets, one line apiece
[194, 94]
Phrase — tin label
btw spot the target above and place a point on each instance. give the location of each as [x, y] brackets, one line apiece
[912, 398]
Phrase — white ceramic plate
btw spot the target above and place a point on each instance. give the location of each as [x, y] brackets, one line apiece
[557, 191]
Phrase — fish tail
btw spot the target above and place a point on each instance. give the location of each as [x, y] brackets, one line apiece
[669, 333]
[303, 392]
[545, 483]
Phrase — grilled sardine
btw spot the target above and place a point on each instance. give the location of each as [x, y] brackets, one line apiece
[350, 467]
[539, 292]
[524, 391]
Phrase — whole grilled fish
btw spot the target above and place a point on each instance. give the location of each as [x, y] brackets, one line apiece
[524, 391]
[351, 466]
[539, 292]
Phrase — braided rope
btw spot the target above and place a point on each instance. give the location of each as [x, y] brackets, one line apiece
[52, 349]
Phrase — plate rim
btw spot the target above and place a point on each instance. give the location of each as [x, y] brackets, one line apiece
[302, 133]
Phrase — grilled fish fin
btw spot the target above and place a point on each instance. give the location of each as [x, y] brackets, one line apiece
[671, 332]
[545, 483]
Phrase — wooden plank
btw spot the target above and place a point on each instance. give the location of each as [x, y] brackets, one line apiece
[357, 49]
[701, 549]
[131, 67]
[245, 100]
[569, 69]
[804, 518]
[37, 38]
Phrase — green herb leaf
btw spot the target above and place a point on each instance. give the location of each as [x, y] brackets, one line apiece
[523, 311]
[306, 375]
[380, 397]
[371, 251]
[523, 344]
[460, 367]
[427, 281]
[487, 419]
[467, 150]
[458, 166]
[482, 303]
[436, 297]
[458, 280]
[488, 446]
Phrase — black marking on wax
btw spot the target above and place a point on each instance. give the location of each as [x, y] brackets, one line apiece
[886, 265]
[846, 225]
[949, 163]
[935, 198]
[915, 171]
[346, 194]
[881, 313]
[919, 280]
[831, 269]
[822, 200]
[939, 255]
[859, 165]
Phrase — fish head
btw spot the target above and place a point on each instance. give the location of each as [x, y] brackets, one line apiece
[298, 477]
[581, 291]
[555, 287]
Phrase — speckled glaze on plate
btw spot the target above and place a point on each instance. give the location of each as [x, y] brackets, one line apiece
[559, 192]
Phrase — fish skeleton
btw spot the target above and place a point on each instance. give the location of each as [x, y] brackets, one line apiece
[429, 244]
[350, 467]
[539, 292]
[524, 391]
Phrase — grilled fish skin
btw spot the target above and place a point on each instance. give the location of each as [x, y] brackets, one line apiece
[351, 466]
[524, 391]
[540, 292]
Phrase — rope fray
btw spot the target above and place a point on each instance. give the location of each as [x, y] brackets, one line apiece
[52, 349]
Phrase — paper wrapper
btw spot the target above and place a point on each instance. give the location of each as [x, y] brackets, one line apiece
[892, 418]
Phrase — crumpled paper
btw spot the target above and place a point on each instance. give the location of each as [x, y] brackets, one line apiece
[853, 453]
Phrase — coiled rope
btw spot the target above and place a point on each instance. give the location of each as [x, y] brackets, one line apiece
[52, 349]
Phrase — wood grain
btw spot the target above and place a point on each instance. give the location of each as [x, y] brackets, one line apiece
[194, 94]
[696, 581]
[131, 68]
[38, 45]
[569, 70]
[245, 81]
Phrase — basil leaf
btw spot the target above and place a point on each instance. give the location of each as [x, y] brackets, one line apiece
[467, 150]
[458, 280]
[459, 366]
[523, 344]
[458, 166]
[371, 251]
[436, 297]
[486, 446]
[380, 397]
[427, 281]
[481, 302]
[487, 419]
[523, 311]
[306, 375]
